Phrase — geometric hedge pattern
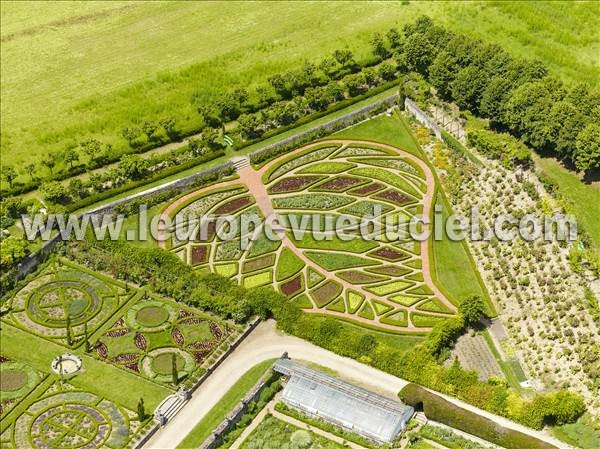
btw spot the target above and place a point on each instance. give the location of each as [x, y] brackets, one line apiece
[64, 294]
[376, 283]
[66, 418]
[154, 334]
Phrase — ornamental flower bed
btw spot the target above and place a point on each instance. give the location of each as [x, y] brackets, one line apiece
[177, 337]
[233, 206]
[394, 196]
[368, 189]
[207, 231]
[339, 184]
[117, 332]
[389, 254]
[140, 341]
[292, 287]
[102, 350]
[216, 331]
[199, 255]
[169, 329]
[293, 184]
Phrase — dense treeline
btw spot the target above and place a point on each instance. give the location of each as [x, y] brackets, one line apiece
[518, 96]
[165, 273]
[441, 410]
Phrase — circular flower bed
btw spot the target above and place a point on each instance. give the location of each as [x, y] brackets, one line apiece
[150, 316]
[16, 380]
[52, 303]
[158, 364]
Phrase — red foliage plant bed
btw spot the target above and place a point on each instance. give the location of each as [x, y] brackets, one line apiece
[117, 332]
[389, 254]
[207, 231]
[293, 286]
[199, 254]
[177, 336]
[366, 190]
[339, 184]
[326, 293]
[293, 184]
[203, 345]
[395, 197]
[193, 320]
[133, 367]
[233, 205]
[200, 356]
[216, 330]
[184, 313]
[102, 350]
[140, 341]
[125, 358]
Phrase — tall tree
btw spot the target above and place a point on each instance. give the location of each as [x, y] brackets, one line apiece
[9, 174]
[70, 155]
[30, 168]
[174, 369]
[378, 47]
[587, 148]
[472, 309]
[141, 410]
[50, 162]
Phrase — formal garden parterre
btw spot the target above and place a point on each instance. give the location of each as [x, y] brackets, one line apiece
[163, 341]
[65, 417]
[373, 282]
[64, 302]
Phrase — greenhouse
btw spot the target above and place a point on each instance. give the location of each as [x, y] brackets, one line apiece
[348, 406]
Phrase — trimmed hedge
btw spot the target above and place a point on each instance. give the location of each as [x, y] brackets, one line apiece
[441, 410]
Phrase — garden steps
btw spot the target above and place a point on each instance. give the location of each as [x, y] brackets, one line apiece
[240, 162]
[170, 407]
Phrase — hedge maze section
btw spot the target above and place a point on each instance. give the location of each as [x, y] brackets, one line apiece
[64, 417]
[64, 302]
[162, 341]
[378, 282]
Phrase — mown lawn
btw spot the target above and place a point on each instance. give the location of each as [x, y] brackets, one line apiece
[88, 69]
[106, 380]
[583, 198]
[218, 413]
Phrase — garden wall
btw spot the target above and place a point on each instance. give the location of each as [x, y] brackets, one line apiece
[329, 127]
[214, 440]
[445, 412]
[412, 108]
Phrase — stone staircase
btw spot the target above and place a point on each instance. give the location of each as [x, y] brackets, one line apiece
[240, 162]
[170, 406]
[420, 418]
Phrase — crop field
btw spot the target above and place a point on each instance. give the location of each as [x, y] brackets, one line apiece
[128, 341]
[89, 69]
[380, 280]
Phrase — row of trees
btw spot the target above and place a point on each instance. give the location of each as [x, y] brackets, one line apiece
[167, 274]
[131, 168]
[518, 96]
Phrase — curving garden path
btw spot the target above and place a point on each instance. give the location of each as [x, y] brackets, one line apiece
[253, 180]
[265, 343]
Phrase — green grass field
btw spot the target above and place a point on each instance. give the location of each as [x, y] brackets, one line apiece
[88, 69]
[583, 198]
